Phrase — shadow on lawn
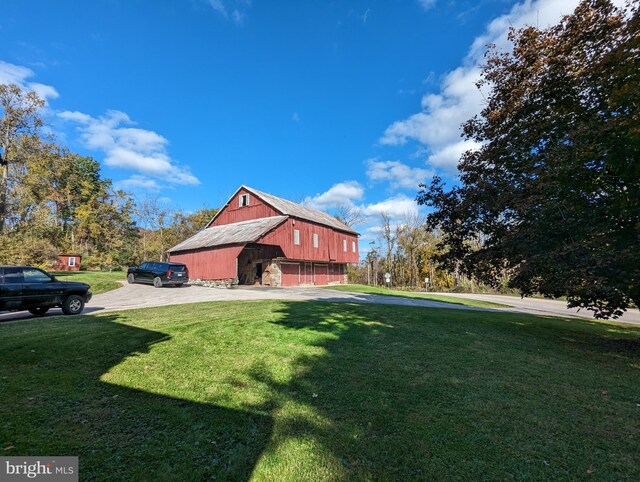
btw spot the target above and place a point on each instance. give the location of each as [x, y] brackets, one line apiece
[424, 394]
[382, 393]
[49, 407]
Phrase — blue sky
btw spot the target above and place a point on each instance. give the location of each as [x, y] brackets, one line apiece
[328, 102]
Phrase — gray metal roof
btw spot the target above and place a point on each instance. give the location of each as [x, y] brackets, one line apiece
[236, 233]
[300, 211]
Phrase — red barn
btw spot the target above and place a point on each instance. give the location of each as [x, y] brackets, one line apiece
[257, 238]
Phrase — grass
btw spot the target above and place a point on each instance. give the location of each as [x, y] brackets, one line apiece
[294, 391]
[100, 281]
[378, 290]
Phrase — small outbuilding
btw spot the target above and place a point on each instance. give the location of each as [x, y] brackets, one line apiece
[67, 262]
[258, 238]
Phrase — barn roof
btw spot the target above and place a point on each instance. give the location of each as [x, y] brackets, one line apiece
[242, 232]
[289, 208]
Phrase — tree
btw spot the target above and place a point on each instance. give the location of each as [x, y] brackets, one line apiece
[553, 194]
[349, 214]
[390, 236]
[20, 117]
[155, 216]
[411, 236]
[184, 226]
[373, 263]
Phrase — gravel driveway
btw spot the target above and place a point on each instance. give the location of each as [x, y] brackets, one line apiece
[146, 296]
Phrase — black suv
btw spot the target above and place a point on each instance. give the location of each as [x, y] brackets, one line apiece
[31, 289]
[159, 274]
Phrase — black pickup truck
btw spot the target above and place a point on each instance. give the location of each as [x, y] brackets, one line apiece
[31, 289]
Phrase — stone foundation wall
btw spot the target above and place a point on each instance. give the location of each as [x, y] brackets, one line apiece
[215, 283]
[272, 276]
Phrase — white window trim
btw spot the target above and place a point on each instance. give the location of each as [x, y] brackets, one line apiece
[296, 237]
[344, 245]
[353, 246]
[316, 241]
[71, 261]
[240, 198]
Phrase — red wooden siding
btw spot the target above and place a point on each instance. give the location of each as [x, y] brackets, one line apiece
[307, 274]
[335, 273]
[232, 213]
[63, 263]
[330, 242]
[321, 274]
[208, 264]
[290, 274]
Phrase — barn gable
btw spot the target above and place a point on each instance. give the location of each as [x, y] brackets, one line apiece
[248, 203]
[243, 205]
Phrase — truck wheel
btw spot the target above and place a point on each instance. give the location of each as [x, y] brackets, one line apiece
[131, 279]
[73, 305]
[157, 282]
[41, 310]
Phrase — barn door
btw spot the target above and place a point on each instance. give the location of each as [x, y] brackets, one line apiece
[290, 273]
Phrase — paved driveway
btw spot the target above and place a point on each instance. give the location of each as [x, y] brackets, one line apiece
[146, 296]
[539, 306]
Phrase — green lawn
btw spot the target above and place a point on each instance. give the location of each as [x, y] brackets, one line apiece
[294, 391]
[100, 281]
[378, 290]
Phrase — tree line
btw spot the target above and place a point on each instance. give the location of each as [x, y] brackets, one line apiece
[55, 201]
[407, 250]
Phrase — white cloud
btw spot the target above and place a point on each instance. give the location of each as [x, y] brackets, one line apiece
[396, 207]
[343, 193]
[398, 175]
[219, 7]
[426, 4]
[437, 125]
[236, 7]
[295, 117]
[131, 148]
[16, 74]
[138, 182]
[75, 116]
[237, 16]
[447, 157]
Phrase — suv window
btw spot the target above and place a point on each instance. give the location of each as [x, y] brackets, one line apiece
[180, 268]
[12, 276]
[32, 275]
[144, 266]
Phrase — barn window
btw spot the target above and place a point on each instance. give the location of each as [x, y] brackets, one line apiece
[315, 240]
[72, 260]
[243, 200]
[296, 236]
[344, 245]
[353, 246]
